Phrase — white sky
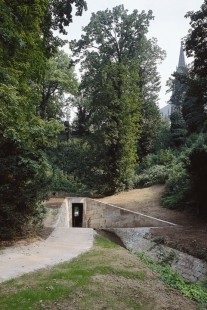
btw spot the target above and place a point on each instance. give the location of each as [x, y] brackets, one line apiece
[169, 27]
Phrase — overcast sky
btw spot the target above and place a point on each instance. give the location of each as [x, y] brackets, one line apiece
[169, 27]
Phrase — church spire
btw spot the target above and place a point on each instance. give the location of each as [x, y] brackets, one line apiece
[181, 62]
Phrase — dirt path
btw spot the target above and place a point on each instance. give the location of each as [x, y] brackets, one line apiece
[192, 238]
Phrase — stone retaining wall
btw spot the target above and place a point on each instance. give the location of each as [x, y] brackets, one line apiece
[137, 240]
[100, 215]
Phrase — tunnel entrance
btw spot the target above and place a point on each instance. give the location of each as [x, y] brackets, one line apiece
[77, 214]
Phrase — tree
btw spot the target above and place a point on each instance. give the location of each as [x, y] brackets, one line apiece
[197, 170]
[162, 141]
[188, 98]
[150, 87]
[58, 16]
[193, 108]
[81, 123]
[26, 42]
[195, 41]
[59, 79]
[178, 86]
[178, 128]
[112, 58]
[115, 126]
[21, 53]
[24, 170]
[195, 45]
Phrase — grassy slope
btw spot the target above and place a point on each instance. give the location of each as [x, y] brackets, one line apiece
[106, 277]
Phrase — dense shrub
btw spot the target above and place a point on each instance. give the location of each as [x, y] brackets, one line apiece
[154, 168]
[66, 183]
[24, 183]
[187, 183]
[177, 188]
[163, 139]
[162, 157]
[197, 169]
[178, 128]
[157, 174]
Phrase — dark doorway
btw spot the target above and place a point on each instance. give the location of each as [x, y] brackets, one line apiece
[77, 209]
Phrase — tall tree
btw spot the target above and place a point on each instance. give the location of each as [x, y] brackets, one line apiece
[195, 41]
[150, 87]
[196, 46]
[188, 98]
[26, 42]
[112, 57]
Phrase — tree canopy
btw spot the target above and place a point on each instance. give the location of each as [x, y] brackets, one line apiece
[26, 44]
[195, 41]
[117, 88]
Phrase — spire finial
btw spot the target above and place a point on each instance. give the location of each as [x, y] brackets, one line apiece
[181, 62]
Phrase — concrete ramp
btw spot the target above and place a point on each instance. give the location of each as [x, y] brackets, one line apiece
[62, 245]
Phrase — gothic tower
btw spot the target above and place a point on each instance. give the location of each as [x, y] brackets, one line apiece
[179, 69]
[168, 109]
[181, 63]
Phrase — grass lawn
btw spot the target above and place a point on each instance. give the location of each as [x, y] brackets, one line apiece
[106, 277]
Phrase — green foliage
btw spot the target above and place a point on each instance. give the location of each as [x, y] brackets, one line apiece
[155, 168]
[150, 87]
[66, 183]
[81, 123]
[163, 138]
[162, 157]
[59, 79]
[21, 50]
[114, 104]
[185, 172]
[197, 169]
[185, 187]
[191, 100]
[159, 240]
[177, 187]
[178, 128]
[178, 88]
[193, 290]
[119, 131]
[26, 43]
[158, 174]
[24, 170]
[59, 14]
[195, 40]
[72, 166]
[194, 105]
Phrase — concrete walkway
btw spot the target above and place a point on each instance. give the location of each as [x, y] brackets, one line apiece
[62, 245]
